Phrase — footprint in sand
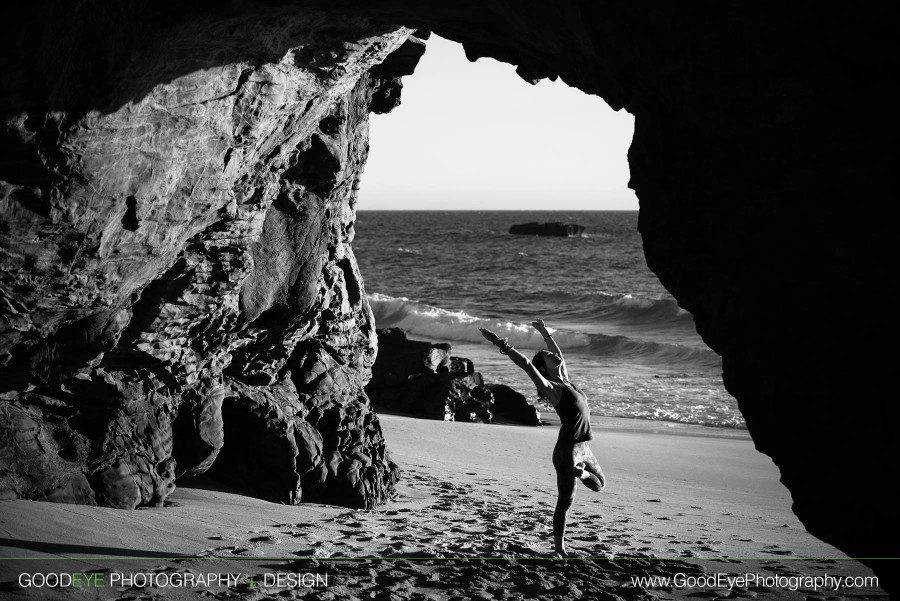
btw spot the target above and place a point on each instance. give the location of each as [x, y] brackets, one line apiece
[224, 537]
[224, 551]
[266, 538]
[776, 550]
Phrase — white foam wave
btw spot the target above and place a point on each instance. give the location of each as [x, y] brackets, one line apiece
[434, 322]
[423, 320]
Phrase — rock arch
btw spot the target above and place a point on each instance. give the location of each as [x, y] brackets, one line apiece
[230, 137]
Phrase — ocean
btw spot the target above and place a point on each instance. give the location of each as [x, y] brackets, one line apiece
[442, 274]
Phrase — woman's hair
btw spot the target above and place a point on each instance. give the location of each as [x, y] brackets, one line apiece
[540, 363]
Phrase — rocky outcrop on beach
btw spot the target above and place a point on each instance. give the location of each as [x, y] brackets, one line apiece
[423, 379]
[511, 405]
[178, 288]
[177, 212]
[554, 228]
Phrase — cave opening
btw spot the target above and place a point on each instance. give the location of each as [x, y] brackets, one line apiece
[433, 243]
[762, 192]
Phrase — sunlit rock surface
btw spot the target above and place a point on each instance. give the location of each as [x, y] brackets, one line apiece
[162, 164]
[178, 286]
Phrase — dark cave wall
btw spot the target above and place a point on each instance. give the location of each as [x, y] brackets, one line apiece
[763, 157]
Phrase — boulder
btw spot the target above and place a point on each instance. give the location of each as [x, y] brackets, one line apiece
[421, 378]
[511, 405]
[400, 358]
[554, 228]
[461, 365]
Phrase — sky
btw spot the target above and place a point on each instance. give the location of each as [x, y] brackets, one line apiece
[476, 136]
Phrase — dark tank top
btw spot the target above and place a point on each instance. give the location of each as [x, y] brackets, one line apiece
[574, 416]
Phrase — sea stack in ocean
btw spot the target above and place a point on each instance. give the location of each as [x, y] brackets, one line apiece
[423, 379]
[554, 228]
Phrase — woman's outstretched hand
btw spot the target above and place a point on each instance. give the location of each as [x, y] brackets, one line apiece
[488, 335]
[540, 326]
[501, 343]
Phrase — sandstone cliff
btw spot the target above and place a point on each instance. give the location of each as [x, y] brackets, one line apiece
[178, 285]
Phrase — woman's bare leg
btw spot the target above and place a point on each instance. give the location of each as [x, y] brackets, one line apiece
[592, 466]
[587, 469]
[566, 487]
[563, 504]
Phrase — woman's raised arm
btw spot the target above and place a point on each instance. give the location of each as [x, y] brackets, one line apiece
[540, 382]
[541, 327]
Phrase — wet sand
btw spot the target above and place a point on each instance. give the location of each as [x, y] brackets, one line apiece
[472, 520]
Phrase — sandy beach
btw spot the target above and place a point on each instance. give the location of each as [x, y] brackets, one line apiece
[472, 520]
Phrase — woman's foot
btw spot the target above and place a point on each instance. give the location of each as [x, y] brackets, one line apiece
[593, 481]
[559, 547]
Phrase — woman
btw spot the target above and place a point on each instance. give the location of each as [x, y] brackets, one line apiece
[572, 457]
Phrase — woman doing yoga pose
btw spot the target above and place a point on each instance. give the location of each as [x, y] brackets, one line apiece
[572, 457]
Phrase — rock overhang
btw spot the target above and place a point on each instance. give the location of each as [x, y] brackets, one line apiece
[746, 151]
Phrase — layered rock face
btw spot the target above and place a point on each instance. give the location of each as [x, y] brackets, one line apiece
[178, 287]
[764, 159]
